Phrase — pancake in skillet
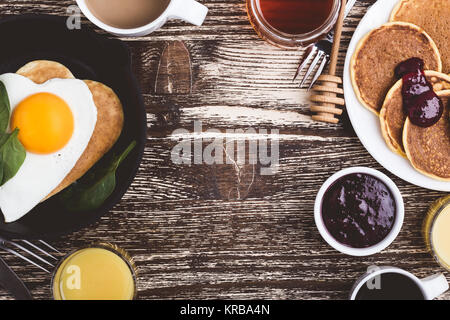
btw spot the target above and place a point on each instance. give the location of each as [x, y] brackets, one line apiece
[107, 130]
[380, 51]
[392, 116]
[40, 71]
[428, 149]
[431, 15]
[109, 124]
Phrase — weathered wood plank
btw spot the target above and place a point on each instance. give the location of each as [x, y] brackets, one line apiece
[186, 246]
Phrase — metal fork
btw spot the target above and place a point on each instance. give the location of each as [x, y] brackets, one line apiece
[13, 247]
[319, 53]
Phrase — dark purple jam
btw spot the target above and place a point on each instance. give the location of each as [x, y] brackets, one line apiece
[420, 103]
[409, 66]
[414, 84]
[358, 210]
[426, 110]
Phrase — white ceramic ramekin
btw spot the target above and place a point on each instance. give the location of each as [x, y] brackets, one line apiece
[400, 213]
[190, 11]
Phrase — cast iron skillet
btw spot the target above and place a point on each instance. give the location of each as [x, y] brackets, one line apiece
[89, 56]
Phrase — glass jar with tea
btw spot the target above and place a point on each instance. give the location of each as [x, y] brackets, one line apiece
[292, 23]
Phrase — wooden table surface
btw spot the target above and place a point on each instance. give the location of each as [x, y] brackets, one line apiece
[192, 234]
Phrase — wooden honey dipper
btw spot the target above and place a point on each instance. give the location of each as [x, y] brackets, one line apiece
[328, 89]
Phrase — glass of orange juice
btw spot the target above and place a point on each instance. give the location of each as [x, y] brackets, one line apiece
[99, 272]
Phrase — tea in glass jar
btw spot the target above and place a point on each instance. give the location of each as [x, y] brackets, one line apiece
[292, 23]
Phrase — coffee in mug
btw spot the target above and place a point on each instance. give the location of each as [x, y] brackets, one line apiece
[390, 286]
[127, 14]
[390, 283]
[137, 18]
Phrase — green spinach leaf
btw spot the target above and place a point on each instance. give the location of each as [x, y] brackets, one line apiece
[12, 152]
[92, 190]
[5, 108]
[12, 155]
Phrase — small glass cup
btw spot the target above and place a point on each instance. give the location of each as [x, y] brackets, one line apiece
[433, 213]
[285, 40]
[121, 253]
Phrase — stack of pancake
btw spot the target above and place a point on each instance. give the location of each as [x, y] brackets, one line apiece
[418, 28]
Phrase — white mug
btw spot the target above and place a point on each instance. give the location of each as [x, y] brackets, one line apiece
[190, 11]
[431, 287]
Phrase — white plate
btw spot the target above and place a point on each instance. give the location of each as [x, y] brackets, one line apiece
[365, 123]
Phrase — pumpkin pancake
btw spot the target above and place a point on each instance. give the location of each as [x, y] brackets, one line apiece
[392, 117]
[434, 17]
[428, 149]
[380, 51]
[40, 71]
[110, 119]
[107, 130]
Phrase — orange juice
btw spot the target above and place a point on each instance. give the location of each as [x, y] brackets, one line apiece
[97, 273]
[436, 231]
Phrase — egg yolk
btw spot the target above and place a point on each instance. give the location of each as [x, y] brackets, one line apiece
[45, 123]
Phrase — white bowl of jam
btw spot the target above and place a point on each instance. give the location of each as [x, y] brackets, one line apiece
[359, 211]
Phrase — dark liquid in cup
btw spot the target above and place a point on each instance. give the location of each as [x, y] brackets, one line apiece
[127, 14]
[392, 286]
[296, 16]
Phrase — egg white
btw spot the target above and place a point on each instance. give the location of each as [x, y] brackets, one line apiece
[41, 174]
